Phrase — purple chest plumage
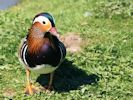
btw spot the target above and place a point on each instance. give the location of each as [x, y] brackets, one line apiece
[46, 55]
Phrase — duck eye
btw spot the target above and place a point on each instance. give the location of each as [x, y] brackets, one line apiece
[44, 22]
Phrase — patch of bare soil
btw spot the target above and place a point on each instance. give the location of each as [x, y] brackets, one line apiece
[9, 93]
[72, 41]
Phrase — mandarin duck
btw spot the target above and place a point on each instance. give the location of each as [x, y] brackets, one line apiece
[41, 50]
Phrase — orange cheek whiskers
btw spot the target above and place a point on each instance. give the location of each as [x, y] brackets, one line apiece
[34, 45]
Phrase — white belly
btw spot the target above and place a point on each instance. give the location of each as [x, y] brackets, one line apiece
[43, 69]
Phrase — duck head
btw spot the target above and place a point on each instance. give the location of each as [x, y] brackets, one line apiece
[43, 23]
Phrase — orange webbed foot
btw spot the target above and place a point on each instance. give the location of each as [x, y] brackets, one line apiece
[30, 89]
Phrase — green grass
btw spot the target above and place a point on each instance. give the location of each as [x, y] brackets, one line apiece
[102, 70]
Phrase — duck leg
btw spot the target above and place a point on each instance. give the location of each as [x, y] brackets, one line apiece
[50, 87]
[51, 80]
[30, 89]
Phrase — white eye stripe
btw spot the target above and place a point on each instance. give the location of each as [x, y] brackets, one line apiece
[40, 19]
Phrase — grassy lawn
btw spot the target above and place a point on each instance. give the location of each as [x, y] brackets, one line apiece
[103, 70]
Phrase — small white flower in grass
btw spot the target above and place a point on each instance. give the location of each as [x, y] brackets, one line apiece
[87, 14]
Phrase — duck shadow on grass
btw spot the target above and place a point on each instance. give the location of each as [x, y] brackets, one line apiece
[68, 77]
